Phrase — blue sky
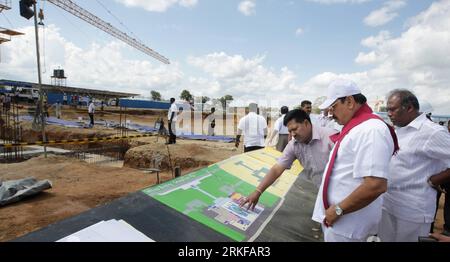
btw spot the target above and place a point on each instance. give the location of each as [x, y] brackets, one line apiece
[254, 50]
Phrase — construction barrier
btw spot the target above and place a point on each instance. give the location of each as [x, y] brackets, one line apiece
[74, 141]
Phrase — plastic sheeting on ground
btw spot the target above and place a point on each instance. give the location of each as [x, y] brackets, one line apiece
[183, 135]
[55, 121]
[205, 137]
[141, 128]
[15, 190]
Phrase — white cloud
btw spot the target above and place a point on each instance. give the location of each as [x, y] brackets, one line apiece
[418, 60]
[98, 66]
[374, 41]
[385, 14]
[367, 58]
[299, 31]
[157, 5]
[104, 67]
[247, 7]
[339, 1]
[221, 65]
[244, 78]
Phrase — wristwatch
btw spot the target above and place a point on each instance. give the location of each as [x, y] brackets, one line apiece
[339, 211]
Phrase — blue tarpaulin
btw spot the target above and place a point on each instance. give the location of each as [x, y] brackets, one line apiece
[132, 103]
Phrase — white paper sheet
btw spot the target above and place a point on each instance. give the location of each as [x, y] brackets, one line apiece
[108, 231]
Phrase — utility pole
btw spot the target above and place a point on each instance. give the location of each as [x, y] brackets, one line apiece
[41, 92]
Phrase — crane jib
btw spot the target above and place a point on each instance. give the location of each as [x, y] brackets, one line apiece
[92, 19]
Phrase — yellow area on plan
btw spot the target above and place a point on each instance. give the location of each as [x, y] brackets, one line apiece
[252, 167]
[270, 155]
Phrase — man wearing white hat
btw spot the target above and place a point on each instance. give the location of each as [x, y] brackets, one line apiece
[348, 203]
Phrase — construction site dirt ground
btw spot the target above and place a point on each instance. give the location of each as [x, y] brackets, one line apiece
[79, 186]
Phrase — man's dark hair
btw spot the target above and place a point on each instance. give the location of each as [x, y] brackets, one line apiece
[172, 100]
[407, 98]
[298, 114]
[359, 98]
[284, 110]
[305, 102]
[253, 107]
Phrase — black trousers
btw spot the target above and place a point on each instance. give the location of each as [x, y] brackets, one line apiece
[172, 133]
[91, 116]
[252, 148]
[446, 208]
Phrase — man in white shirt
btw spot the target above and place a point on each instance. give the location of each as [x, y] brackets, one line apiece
[281, 130]
[57, 107]
[419, 169]
[306, 106]
[348, 203]
[91, 111]
[254, 128]
[172, 118]
[211, 121]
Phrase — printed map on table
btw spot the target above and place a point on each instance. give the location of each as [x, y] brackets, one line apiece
[211, 195]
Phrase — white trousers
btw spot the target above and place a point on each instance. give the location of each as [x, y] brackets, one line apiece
[330, 236]
[394, 229]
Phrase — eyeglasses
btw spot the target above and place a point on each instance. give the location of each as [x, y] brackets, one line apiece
[331, 107]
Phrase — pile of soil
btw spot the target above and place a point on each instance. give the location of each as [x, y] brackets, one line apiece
[185, 154]
[54, 132]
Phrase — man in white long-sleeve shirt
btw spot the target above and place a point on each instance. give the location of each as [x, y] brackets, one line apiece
[281, 130]
[91, 111]
[349, 204]
[419, 169]
[172, 121]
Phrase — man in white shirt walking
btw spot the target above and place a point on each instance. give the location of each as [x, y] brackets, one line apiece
[172, 121]
[91, 112]
[254, 129]
[57, 107]
[281, 130]
[211, 121]
[419, 169]
[348, 203]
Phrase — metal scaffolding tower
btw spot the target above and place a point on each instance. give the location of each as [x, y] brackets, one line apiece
[5, 33]
[5, 5]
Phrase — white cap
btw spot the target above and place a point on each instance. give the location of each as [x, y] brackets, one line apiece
[425, 107]
[340, 88]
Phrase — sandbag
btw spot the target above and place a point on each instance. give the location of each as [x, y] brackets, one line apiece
[15, 190]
